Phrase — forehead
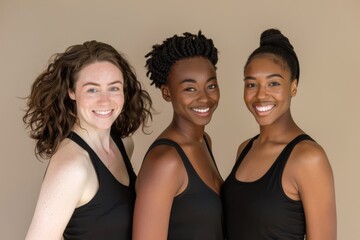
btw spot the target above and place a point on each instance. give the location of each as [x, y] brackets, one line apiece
[191, 68]
[268, 63]
[97, 71]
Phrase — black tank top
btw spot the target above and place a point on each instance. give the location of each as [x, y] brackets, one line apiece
[260, 209]
[109, 213]
[196, 213]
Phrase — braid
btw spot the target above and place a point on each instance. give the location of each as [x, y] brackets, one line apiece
[162, 57]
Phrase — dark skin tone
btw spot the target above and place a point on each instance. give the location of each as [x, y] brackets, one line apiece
[193, 91]
[307, 175]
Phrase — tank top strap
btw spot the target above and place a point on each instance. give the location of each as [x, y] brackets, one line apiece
[165, 141]
[119, 143]
[78, 140]
[285, 153]
[211, 154]
[243, 153]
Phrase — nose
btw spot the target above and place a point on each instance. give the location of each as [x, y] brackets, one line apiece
[104, 97]
[203, 96]
[262, 92]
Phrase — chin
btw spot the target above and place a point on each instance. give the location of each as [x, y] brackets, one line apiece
[262, 122]
[204, 123]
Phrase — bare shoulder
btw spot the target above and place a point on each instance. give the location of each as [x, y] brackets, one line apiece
[162, 158]
[163, 168]
[309, 154]
[308, 161]
[70, 161]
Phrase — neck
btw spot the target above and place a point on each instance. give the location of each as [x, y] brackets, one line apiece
[187, 131]
[98, 140]
[282, 130]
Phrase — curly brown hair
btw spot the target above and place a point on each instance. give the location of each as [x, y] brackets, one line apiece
[50, 112]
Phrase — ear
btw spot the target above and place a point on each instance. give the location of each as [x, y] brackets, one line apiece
[165, 93]
[71, 94]
[293, 88]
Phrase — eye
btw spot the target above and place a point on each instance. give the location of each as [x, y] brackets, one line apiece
[92, 90]
[190, 89]
[250, 85]
[274, 84]
[114, 89]
[212, 86]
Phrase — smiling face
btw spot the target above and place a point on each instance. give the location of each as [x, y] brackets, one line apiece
[193, 90]
[99, 95]
[268, 89]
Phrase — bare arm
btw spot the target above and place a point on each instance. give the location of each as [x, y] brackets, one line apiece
[159, 180]
[60, 193]
[316, 187]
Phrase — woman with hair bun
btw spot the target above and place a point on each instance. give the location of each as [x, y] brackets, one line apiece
[178, 185]
[82, 111]
[282, 185]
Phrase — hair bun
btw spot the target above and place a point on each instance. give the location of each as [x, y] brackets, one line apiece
[274, 37]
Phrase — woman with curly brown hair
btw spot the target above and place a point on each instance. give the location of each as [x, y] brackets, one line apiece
[82, 111]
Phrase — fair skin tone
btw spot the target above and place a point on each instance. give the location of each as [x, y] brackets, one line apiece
[193, 91]
[307, 175]
[70, 179]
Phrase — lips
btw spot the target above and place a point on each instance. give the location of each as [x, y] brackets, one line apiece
[264, 108]
[201, 110]
[102, 112]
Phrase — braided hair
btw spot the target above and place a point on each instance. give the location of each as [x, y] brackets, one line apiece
[272, 41]
[163, 56]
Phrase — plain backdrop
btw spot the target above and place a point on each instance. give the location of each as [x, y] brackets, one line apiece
[325, 35]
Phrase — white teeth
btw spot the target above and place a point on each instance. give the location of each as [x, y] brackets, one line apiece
[201, 110]
[264, 108]
[103, 112]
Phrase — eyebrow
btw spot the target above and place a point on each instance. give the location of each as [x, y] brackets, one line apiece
[190, 80]
[96, 84]
[267, 77]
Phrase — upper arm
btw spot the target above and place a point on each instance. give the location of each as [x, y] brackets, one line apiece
[315, 182]
[60, 193]
[158, 182]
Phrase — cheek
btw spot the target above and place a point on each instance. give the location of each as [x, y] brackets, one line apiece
[216, 96]
[247, 96]
[119, 99]
[285, 94]
[82, 103]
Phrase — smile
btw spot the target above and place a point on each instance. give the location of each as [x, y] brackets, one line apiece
[201, 110]
[264, 108]
[102, 112]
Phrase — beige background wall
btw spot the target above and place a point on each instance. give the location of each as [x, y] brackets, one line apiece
[325, 34]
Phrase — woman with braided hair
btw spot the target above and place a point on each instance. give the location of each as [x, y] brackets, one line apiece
[178, 185]
[82, 111]
[281, 186]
